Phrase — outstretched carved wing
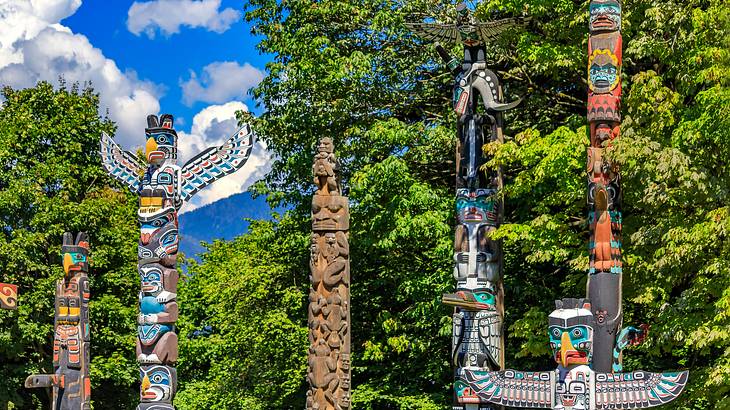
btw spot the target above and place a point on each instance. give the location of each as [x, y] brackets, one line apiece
[216, 162]
[638, 389]
[508, 388]
[490, 30]
[122, 165]
[435, 31]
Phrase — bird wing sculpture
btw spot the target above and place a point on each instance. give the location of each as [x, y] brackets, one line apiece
[490, 30]
[122, 165]
[508, 388]
[216, 162]
[436, 32]
[638, 389]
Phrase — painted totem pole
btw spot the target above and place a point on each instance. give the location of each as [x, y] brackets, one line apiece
[574, 384]
[604, 182]
[329, 297]
[584, 337]
[478, 341]
[8, 296]
[70, 380]
[163, 186]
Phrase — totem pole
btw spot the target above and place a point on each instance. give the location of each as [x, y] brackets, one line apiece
[70, 380]
[584, 337]
[574, 385]
[478, 302]
[604, 182]
[163, 186]
[329, 297]
[8, 296]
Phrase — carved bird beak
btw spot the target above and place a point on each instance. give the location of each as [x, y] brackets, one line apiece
[145, 384]
[67, 262]
[566, 346]
[151, 152]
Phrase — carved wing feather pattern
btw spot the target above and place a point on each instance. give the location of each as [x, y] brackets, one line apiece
[122, 165]
[435, 32]
[638, 389]
[216, 162]
[490, 30]
[508, 388]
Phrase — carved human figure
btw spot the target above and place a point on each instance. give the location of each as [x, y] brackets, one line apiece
[325, 167]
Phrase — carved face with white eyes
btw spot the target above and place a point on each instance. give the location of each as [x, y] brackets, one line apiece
[571, 333]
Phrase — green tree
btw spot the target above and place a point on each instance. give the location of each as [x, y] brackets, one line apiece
[249, 292]
[351, 71]
[51, 181]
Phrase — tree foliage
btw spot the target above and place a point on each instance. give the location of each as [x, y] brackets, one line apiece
[51, 181]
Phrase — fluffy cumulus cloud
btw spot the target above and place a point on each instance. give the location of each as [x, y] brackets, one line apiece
[168, 16]
[212, 126]
[34, 46]
[220, 81]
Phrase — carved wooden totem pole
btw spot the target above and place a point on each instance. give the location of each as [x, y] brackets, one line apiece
[329, 297]
[584, 333]
[8, 296]
[574, 384]
[478, 341]
[70, 380]
[604, 183]
[163, 186]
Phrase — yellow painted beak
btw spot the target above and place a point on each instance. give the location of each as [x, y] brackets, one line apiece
[67, 262]
[146, 383]
[565, 346]
[150, 146]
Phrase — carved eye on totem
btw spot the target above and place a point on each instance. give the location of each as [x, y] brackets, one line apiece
[555, 333]
[160, 378]
[577, 333]
[152, 277]
[170, 238]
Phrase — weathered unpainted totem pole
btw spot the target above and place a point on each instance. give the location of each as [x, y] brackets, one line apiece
[329, 297]
[163, 186]
[584, 333]
[70, 380]
[8, 296]
[478, 341]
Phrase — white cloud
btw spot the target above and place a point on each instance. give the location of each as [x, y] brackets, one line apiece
[212, 126]
[220, 81]
[34, 46]
[168, 15]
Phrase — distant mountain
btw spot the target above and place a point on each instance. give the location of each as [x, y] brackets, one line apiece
[222, 219]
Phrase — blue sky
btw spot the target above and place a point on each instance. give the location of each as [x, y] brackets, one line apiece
[195, 59]
[166, 58]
